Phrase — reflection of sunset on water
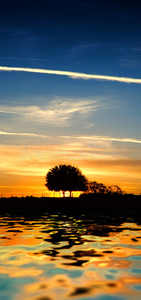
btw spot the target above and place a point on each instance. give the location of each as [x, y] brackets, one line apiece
[51, 256]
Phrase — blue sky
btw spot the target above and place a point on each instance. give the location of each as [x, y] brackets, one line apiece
[43, 110]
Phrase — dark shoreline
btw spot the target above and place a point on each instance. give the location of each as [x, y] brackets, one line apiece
[86, 202]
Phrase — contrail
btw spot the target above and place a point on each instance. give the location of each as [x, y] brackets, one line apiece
[22, 134]
[94, 137]
[73, 75]
[104, 138]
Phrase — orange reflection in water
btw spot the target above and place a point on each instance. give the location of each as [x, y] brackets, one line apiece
[62, 287]
[62, 257]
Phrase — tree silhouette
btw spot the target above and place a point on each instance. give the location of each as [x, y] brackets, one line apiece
[100, 188]
[115, 189]
[66, 178]
[96, 187]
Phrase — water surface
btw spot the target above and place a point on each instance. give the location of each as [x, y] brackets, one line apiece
[65, 256]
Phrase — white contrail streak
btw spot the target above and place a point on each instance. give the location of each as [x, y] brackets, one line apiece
[94, 137]
[74, 75]
[22, 134]
[104, 138]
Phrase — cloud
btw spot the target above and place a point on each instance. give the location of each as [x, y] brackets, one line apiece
[104, 138]
[90, 138]
[56, 111]
[22, 134]
[74, 75]
[77, 49]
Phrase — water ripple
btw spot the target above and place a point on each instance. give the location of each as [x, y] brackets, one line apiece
[46, 256]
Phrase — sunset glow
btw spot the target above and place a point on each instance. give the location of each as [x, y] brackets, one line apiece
[29, 166]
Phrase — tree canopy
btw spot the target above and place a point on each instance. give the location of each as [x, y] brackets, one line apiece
[100, 188]
[66, 178]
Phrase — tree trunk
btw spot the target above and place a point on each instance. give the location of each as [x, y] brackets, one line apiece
[70, 194]
[63, 194]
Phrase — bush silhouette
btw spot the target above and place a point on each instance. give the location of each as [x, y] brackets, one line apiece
[66, 178]
[99, 188]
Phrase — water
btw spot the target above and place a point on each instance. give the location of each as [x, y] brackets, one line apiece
[54, 256]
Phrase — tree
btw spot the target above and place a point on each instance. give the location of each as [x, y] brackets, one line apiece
[96, 187]
[102, 188]
[115, 189]
[65, 178]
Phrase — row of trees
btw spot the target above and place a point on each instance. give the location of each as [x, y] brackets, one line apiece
[95, 187]
[68, 178]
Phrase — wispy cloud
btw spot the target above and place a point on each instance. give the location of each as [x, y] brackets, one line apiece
[90, 138]
[55, 112]
[77, 49]
[22, 134]
[104, 138]
[74, 75]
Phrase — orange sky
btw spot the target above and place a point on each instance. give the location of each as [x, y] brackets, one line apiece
[23, 169]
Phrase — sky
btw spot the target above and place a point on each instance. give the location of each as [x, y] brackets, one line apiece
[70, 86]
